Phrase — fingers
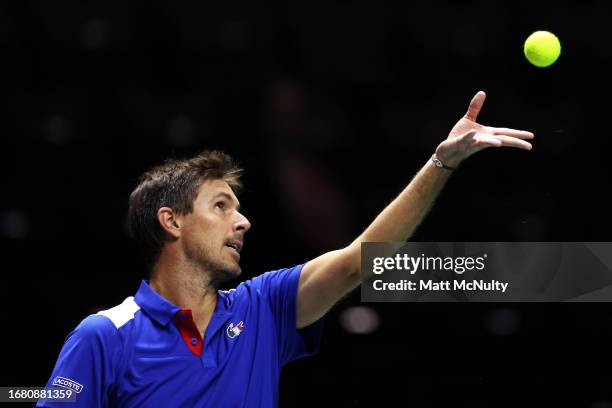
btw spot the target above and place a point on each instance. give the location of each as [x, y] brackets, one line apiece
[500, 140]
[475, 106]
[522, 134]
[474, 141]
[486, 141]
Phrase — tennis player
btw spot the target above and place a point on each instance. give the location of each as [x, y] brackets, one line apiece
[180, 341]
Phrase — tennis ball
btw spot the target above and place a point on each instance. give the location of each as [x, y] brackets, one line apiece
[542, 48]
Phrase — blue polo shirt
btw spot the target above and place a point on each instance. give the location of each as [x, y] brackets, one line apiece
[147, 352]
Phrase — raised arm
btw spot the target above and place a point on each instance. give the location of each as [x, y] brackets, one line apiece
[326, 279]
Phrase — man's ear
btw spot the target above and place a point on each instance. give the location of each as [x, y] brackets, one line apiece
[169, 221]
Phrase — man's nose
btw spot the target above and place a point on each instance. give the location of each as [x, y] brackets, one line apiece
[242, 223]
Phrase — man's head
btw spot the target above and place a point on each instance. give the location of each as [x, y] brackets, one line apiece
[191, 204]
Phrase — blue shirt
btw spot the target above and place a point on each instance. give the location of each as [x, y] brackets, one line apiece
[147, 352]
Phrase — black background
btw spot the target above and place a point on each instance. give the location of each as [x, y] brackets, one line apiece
[331, 109]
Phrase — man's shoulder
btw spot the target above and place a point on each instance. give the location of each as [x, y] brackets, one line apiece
[264, 280]
[106, 323]
[94, 330]
[280, 274]
[119, 315]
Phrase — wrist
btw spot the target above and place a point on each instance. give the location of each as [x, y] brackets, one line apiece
[444, 163]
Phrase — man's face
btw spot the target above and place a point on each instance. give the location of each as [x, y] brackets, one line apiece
[213, 234]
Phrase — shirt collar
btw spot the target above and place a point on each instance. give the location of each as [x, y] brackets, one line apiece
[162, 311]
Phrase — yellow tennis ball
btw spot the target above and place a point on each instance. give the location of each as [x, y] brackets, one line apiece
[542, 48]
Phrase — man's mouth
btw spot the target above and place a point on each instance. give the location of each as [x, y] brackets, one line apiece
[235, 245]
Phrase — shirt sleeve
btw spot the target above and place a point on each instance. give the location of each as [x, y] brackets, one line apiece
[281, 287]
[86, 363]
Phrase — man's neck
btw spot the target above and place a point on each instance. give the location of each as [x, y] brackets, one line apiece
[188, 288]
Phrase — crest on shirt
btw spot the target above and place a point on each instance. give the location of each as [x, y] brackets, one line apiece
[234, 331]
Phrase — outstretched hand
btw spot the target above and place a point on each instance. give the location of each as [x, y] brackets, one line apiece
[468, 137]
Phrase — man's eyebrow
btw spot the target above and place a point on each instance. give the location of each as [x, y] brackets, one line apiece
[229, 197]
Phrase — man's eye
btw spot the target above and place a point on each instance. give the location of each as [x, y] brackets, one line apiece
[220, 204]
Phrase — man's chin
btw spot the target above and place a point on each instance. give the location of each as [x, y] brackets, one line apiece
[235, 272]
[233, 268]
[225, 274]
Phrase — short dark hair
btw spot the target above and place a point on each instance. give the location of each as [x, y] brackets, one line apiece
[174, 184]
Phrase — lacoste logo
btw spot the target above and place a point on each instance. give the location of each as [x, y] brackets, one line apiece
[234, 331]
[68, 383]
